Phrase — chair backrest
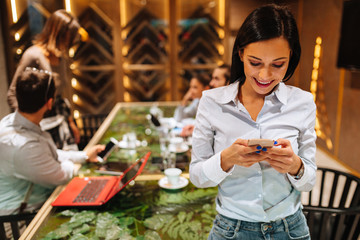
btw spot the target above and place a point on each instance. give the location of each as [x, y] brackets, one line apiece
[332, 208]
[88, 126]
[11, 226]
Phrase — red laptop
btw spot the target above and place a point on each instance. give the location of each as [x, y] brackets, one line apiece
[95, 191]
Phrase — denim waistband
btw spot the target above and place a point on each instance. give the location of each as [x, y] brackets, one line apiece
[261, 226]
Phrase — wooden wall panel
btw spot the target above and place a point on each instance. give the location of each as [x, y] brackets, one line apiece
[323, 18]
[349, 149]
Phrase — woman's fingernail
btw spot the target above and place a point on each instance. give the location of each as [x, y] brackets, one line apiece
[264, 149]
[258, 151]
[275, 142]
[258, 147]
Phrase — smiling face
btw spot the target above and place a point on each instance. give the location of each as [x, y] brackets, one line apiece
[265, 65]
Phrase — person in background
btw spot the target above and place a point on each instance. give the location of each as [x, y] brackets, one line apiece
[30, 163]
[48, 52]
[220, 77]
[259, 189]
[190, 101]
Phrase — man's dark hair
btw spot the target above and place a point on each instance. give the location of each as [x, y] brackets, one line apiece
[227, 73]
[203, 78]
[33, 89]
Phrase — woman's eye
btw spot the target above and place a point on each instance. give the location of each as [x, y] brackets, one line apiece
[254, 64]
[278, 65]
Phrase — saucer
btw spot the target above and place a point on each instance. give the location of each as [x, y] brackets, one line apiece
[178, 149]
[183, 182]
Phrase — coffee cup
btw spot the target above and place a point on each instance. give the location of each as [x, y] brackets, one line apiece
[173, 175]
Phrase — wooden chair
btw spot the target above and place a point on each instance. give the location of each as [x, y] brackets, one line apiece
[332, 208]
[16, 224]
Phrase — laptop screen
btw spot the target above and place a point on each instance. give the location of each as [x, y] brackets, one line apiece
[131, 173]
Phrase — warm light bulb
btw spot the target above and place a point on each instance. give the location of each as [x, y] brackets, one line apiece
[126, 82]
[71, 52]
[76, 114]
[221, 49]
[314, 75]
[127, 97]
[329, 144]
[19, 51]
[68, 5]
[125, 50]
[318, 40]
[221, 33]
[222, 12]
[313, 86]
[316, 63]
[75, 98]
[74, 82]
[123, 15]
[13, 11]
[17, 36]
[317, 51]
[317, 123]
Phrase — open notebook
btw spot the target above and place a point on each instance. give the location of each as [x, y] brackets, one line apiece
[95, 191]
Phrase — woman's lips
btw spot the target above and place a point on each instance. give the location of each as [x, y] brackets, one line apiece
[262, 84]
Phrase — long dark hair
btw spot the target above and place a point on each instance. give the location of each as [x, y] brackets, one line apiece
[266, 22]
[59, 33]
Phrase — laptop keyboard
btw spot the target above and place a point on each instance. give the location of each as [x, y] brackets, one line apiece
[91, 191]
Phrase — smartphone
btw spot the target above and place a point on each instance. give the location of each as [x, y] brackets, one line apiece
[262, 142]
[110, 146]
[155, 121]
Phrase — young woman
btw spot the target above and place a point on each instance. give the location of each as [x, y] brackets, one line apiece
[259, 188]
[190, 101]
[60, 32]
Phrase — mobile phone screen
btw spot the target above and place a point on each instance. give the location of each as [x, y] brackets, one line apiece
[155, 121]
[109, 146]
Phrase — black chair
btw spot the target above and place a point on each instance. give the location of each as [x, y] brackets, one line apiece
[17, 223]
[332, 208]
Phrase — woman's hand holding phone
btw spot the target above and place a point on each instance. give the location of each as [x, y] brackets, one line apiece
[240, 153]
[93, 152]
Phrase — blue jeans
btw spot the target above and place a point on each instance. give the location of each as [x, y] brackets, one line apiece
[291, 227]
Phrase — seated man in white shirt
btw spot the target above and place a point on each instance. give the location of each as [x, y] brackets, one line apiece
[30, 164]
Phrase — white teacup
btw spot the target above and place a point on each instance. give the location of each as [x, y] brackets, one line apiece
[176, 144]
[173, 175]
